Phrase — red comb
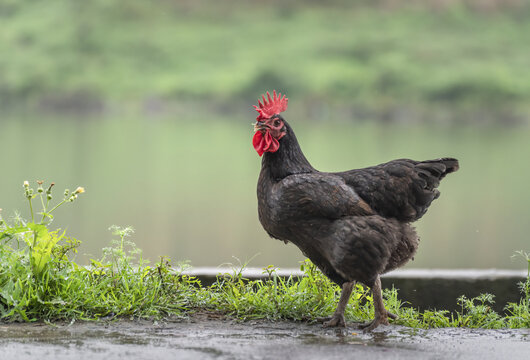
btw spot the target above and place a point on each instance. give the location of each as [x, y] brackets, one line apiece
[271, 106]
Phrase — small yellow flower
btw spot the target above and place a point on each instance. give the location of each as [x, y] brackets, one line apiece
[79, 190]
[26, 183]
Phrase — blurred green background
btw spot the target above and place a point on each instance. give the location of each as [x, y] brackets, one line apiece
[148, 105]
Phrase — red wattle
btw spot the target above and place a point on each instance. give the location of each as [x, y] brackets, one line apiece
[265, 142]
[257, 142]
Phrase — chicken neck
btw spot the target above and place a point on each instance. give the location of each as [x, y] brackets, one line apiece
[288, 160]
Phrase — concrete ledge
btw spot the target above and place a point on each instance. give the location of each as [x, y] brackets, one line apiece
[420, 288]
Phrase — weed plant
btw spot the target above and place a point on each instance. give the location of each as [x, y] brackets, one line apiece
[40, 281]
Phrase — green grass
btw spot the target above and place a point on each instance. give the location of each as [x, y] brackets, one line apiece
[40, 281]
[354, 53]
[315, 296]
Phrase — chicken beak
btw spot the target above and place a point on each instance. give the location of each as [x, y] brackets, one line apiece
[259, 126]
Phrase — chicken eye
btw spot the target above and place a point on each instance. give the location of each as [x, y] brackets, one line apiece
[277, 123]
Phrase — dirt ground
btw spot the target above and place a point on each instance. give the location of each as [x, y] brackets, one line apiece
[210, 337]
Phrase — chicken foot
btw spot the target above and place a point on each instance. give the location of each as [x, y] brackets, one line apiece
[337, 319]
[381, 315]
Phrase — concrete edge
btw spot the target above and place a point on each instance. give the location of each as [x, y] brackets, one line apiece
[463, 274]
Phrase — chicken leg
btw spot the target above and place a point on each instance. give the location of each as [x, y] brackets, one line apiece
[337, 319]
[381, 315]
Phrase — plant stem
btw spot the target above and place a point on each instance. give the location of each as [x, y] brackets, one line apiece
[56, 206]
[43, 208]
[42, 202]
[31, 210]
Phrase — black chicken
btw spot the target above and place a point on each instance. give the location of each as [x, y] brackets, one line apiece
[354, 225]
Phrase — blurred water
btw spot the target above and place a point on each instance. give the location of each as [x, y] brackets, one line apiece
[187, 184]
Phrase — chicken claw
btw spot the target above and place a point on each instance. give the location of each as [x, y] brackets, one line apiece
[337, 320]
[378, 320]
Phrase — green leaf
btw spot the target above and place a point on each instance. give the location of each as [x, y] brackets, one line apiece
[43, 243]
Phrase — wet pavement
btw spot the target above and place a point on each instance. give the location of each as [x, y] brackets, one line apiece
[203, 338]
